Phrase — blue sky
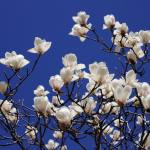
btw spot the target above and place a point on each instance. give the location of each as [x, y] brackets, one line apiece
[22, 20]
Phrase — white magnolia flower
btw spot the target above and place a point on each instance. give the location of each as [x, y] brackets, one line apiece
[119, 41]
[52, 145]
[144, 36]
[66, 74]
[40, 91]
[109, 21]
[89, 104]
[106, 89]
[135, 54]
[131, 57]
[9, 111]
[130, 79]
[117, 82]
[115, 108]
[106, 108]
[64, 116]
[40, 46]
[14, 60]
[80, 31]
[57, 134]
[138, 51]
[121, 29]
[6, 106]
[76, 108]
[57, 101]
[31, 132]
[70, 61]
[3, 87]
[146, 103]
[99, 72]
[81, 18]
[132, 40]
[40, 104]
[90, 86]
[111, 107]
[56, 82]
[79, 74]
[122, 94]
[143, 89]
[12, 115]
[50, 109]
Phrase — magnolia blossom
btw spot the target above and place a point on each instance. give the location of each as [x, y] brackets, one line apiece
[56, 82]
[119, 41]
[132, 40]
[111, 107]
[40, 104]
[70, 61]
[81, 28]
[43, 106]
[81, 18]
[99, 72]
[40, 91]
[80, 31]
[91, 85]
[89, 104]
[143, 89]
[31, 132]
[76, 107]
[3, 87]
[105, 108]
[134, 54]
[57, 134]
[14, 60]
[121, 29]
[51, 145]
[122, 94]
[64, 116]
[57, 101]
[12, 116]
[6, 106]
[9, 111]
[130, 79]
[50, 109]
[40, 46]
[109, 21]
[106, 89]
[144, 36]
[66, 74]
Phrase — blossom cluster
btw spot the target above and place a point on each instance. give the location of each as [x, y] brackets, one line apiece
[100, 82]
[84, 100]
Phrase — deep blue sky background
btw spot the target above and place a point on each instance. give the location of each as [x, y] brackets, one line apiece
[22, 20]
